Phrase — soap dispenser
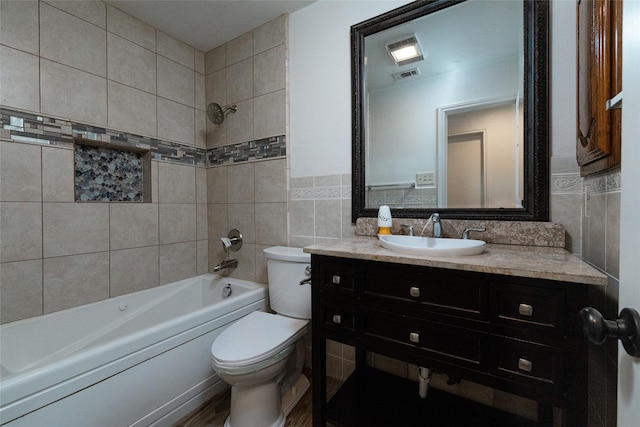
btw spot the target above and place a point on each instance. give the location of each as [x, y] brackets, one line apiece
[384, 220]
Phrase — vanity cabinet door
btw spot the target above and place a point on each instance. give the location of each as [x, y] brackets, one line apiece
[599, 44]
[453, 293]
[385, 333]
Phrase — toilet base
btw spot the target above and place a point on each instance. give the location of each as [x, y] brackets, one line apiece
[290, 399]
[256, 405]
[274, 407]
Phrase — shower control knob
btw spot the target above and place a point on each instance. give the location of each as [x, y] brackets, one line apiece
[626, 328]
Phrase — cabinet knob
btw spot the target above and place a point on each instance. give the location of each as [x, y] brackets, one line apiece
[414, 337]
[626, 328]
[337, 319]
[525, 310]
[414, 291]
[336, 279]
[524, 365]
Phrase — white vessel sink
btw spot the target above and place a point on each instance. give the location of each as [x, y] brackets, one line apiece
[431, 245]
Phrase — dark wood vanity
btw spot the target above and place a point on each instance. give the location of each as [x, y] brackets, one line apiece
[516, 332]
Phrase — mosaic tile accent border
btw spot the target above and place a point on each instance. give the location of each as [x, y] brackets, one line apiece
[275, 146]
[28, 127]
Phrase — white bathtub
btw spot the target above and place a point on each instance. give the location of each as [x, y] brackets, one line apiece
[138, 359]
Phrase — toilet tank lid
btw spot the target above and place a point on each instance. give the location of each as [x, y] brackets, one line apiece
[284, 253]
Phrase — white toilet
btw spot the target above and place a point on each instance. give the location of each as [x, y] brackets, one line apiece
[261, 355]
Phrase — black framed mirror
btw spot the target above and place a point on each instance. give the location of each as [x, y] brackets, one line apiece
[530, 198]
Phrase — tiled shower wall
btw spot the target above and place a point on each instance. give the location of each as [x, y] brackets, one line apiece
[249, 72]
[92, 63]
[251, 196]
[58, 254]
[104, 71]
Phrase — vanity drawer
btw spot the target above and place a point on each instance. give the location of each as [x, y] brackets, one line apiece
[335, 275]
[527, 362]
[529, 307]
[339, 317]
[437, 341]
[457, 294]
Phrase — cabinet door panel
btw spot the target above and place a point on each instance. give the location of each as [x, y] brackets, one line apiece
[599, 79]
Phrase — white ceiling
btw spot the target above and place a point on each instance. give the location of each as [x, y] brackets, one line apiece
[206, 24]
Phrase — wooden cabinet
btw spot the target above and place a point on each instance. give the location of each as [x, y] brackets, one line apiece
[510, 333]
[599, 48]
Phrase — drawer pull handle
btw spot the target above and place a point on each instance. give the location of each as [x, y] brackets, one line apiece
[525, 310]
[337, 319]
[414, 337]
[524, 365]
[414, 291]
[336, 279]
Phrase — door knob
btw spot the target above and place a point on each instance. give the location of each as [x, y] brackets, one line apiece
[626, 328]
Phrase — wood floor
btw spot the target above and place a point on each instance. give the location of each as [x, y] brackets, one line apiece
[215, 411]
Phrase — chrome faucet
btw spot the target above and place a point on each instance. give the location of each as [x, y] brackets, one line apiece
[230, 263]
[437, 225]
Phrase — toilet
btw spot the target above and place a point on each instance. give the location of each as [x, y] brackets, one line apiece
[261, 355]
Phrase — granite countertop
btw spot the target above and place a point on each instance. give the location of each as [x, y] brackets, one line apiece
[511, 260]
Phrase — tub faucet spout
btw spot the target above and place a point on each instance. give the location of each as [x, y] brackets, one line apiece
[230, 263]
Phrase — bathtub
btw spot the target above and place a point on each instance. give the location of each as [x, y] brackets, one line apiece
[138, 359]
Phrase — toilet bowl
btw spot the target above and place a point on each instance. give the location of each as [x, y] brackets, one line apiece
[261, 355]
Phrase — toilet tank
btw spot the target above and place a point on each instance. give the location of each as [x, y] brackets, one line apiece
[286, 267]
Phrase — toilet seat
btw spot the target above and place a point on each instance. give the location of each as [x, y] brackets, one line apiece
[257, 337]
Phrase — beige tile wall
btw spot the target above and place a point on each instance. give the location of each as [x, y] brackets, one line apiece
[57, 254]
[250, 72]
[92, 63]
[89, 62]
[320, 209]
[251, 197]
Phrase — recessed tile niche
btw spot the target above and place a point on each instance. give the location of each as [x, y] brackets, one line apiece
[107, 173]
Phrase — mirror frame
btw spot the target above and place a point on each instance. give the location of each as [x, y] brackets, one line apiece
[536, 115]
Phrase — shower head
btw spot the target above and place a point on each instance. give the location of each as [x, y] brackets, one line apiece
[216, 113]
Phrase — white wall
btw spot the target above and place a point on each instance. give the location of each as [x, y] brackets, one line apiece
[320, 83]
[411, 109]
[563, 79]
